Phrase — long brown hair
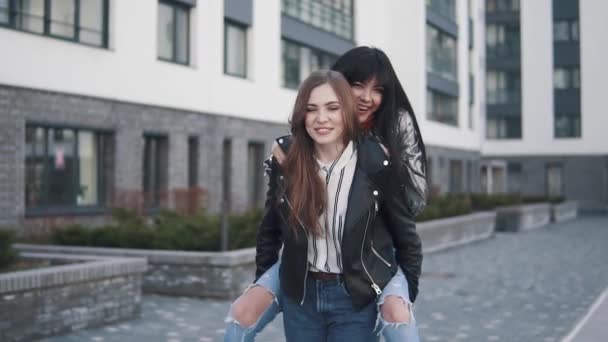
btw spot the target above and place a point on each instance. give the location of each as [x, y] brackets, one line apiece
[306, 191]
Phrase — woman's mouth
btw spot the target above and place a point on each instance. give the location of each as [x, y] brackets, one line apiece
[323, 130]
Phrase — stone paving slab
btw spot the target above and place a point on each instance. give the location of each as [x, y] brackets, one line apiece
[530, 286]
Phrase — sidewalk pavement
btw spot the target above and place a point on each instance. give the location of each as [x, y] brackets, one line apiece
[593, 327]
[530, 286]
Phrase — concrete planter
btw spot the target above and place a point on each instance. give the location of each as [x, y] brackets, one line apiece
[227, 274]
[522, 217]
[564, 211]
[83, 292]
[179, 273]
[444, 233]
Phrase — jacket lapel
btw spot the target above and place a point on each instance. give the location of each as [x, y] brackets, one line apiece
[359, 200]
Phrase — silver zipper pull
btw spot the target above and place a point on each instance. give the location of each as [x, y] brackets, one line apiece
[377, 289]
[376, 205]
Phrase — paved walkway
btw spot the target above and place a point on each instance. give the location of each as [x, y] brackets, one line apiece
[532, 286]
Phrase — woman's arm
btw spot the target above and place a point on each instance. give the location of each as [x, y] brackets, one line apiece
[401, 226]
[268, 240]
[415, 190]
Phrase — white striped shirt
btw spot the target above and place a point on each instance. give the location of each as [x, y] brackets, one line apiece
[325, 251]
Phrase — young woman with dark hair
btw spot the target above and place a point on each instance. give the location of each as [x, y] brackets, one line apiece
[384, 112]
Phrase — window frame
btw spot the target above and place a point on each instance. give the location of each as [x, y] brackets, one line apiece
[102, 180]
[175, 6]
[244, 29]
[47, 19]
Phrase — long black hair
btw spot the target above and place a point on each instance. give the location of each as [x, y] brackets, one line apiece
[364, 63]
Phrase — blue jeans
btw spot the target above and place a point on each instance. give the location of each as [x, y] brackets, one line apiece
[393, 332]
[327, 315]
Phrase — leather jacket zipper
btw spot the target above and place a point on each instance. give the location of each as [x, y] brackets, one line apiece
[305, 233]
[374, 285]
[372, 241]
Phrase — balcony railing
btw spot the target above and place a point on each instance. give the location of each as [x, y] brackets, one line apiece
[500, 51]
[336, 19]
[503, 96]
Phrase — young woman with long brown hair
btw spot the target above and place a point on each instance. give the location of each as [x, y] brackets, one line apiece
[333, 207]
[383, 111]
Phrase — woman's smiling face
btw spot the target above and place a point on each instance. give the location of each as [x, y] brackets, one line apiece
[368, 98]
[324, 118]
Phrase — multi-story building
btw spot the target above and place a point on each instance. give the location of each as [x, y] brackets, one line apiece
[137, 103]
[545, 121]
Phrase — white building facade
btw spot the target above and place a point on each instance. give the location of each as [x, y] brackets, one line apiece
[175, 103]
[545, 103]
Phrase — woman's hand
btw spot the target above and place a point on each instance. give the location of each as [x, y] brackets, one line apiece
[278, 153]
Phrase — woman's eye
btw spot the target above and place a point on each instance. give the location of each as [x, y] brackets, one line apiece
[379, 90]
[334, 108]
[310, 109]
[357, 85]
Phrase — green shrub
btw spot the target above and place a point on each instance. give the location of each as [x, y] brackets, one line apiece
[7, 254]
[168, 230]
[491, 201]
[446, 206]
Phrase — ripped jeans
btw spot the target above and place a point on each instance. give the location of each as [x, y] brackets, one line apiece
[393, 332]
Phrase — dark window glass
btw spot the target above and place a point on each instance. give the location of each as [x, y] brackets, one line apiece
[565, 78]
[255, 159]
[193, 151]
[456, 176]
[446, 8]
[503, 127]
[335, 16]
[63, 13]
[441, 54]
[567, 126]
[565, 31]
[235, 50]
[502, 6]
[155, 170]
[83, 21]
[65, 167]
[299, 61]
[503, 87]
[91, 30]
[502, 40]
[4, 12]
[442, 108]
[173, 32]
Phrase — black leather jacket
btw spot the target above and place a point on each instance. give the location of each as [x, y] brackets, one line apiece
[379, 235]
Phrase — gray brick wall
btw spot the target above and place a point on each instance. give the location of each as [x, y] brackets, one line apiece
[585, 178]
[440, 168]
[128, 122]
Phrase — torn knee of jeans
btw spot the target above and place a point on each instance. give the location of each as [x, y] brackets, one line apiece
[400, 316]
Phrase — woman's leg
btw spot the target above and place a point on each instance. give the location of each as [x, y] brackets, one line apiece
[395, 318]
[255, 308]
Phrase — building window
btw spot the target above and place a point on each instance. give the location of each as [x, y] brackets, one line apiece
[502, 40]
[441, 108]
[515, 180]
[335, 16]
[555, 185]
[503, 87]
[255, 181]
[503, 127]
[565, 78]
[156, 169]
[456, 176]
[441, 54]
[66, 167]
[493, 6]
[193, 151]
[4, 12]
[445, 8]
[568, 126]
[84, 21]
[173, 32]
[565, 31]
[299, 61]
[235, 49]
